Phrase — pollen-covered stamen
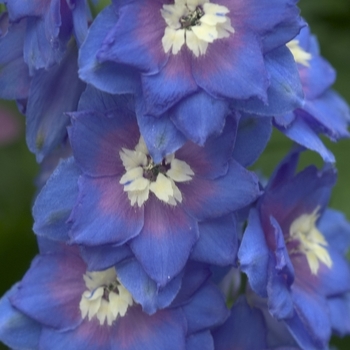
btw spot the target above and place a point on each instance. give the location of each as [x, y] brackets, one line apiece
[105, 297]
[196, 23]
[300, 55]
[310, 240]
[143, 175]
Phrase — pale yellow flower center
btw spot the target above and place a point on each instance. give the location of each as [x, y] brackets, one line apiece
[143, 175]
[311, 241]
[300, 55]
[195, 23]
[105, 297]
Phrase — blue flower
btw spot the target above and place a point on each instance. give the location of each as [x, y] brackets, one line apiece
[49, 27]
[77, 308]
[324, 111]
[119, 194]
[45, 96]
[290, 254]
[188, 60]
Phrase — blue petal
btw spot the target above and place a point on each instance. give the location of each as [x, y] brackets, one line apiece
[331, 113]
[207, 309]
[252, 137]
[300, 132]
[253, 255]
[174, 82]
[200, 340]
[80, 19]
[195, 274]
[52, 93]
[104, 256]
[160, 134]
[200, 116]
[244, 329]
[38, 51]
[218, 243]
[166, 239]
[144, 290]
[285, 92]
[310, 324]
[232, 68]
[211, 161]
[106, 76]
[17, 331]
[336, 229]
[14, 75]
[206, 199]
[138, 42]
[51, 290]
[339, 308]
[103, 213]
[55, 202]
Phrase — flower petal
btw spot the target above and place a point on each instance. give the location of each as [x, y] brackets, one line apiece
[103, 213]
[166, 240]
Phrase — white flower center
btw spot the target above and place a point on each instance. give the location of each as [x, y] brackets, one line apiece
[311, 241]
[300, 55]
[143, 175]
[105, 298]
[196, 23]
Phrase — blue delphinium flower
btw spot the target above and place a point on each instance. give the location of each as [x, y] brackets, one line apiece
[291, 257]
[49, 27]
[188, 60]
[76, 308]
[324, 111]
[118, 194]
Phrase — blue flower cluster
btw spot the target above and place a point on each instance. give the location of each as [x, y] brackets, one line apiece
[148, 222]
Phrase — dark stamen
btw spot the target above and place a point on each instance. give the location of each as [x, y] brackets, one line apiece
[192, 19]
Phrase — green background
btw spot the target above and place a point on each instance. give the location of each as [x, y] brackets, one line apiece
[329, 20]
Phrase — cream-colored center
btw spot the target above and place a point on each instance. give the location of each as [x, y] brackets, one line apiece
[195, 23]
[105, 297]
[143, 175]
[300, 55]
[311, 241]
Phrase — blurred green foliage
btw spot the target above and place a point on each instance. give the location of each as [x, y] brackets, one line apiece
[329, 20]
